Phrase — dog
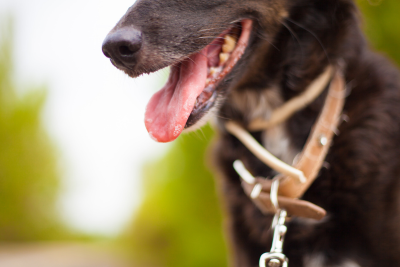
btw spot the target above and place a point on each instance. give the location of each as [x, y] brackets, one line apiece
[281, 47]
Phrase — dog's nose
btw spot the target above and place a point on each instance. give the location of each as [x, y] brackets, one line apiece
[123, 45]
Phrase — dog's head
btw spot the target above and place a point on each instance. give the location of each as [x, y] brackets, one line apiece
[206, 43]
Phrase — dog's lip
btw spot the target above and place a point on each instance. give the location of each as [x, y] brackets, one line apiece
[241, 45]
[120, 65]
[191, 88]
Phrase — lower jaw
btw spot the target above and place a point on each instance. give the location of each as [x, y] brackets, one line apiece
[199, 114]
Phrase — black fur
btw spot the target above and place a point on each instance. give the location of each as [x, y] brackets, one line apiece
[292, 42]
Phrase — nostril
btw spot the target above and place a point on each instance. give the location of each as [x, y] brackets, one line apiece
[123, 44]
[130, 47]
[125, 51]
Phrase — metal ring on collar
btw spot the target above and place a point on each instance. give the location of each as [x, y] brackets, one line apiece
[274, 193]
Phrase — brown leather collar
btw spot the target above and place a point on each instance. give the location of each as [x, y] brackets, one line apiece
[296, 180]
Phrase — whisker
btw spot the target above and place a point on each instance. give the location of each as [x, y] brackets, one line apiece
[192, 60]
[314, 35]
[221, 117]
[236, 21]
[203, 30]
[202, 133]
[211, 37]
[295, 37]
[222, 27]
[261, 35]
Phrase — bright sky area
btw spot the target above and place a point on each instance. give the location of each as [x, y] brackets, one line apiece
[94, 112]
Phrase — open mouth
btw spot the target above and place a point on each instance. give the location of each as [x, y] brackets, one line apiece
[191, 87]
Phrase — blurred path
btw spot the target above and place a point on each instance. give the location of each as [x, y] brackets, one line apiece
[59, 255]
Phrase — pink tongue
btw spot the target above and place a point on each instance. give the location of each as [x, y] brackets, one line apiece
[169, 109]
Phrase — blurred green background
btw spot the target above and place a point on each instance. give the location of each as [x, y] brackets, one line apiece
[179, 222]
[29, 182]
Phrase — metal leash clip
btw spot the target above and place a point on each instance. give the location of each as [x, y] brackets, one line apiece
[275, 258]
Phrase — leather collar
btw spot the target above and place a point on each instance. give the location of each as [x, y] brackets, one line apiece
[294, 181]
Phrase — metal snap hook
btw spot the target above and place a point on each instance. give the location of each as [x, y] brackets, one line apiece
[275, 258]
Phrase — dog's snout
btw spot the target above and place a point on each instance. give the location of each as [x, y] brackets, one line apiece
[123, 45]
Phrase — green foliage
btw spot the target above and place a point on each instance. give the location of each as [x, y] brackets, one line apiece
[180, 222]
[382, 25]
[28, 176]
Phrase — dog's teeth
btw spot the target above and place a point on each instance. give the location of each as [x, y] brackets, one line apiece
[223, 57]
[229, 44]
[213, 70]
[208, 80]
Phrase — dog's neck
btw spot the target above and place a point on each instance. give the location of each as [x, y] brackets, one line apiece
[277, 71]
[261, 104]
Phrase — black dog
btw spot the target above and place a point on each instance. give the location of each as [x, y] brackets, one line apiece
[286, 45]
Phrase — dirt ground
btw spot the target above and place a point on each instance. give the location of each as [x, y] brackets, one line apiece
[59, 255]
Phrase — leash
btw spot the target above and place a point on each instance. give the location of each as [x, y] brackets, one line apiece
[280, 196]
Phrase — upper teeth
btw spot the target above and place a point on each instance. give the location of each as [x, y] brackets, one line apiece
[229, 44]
[213, 70]
[223, 57]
